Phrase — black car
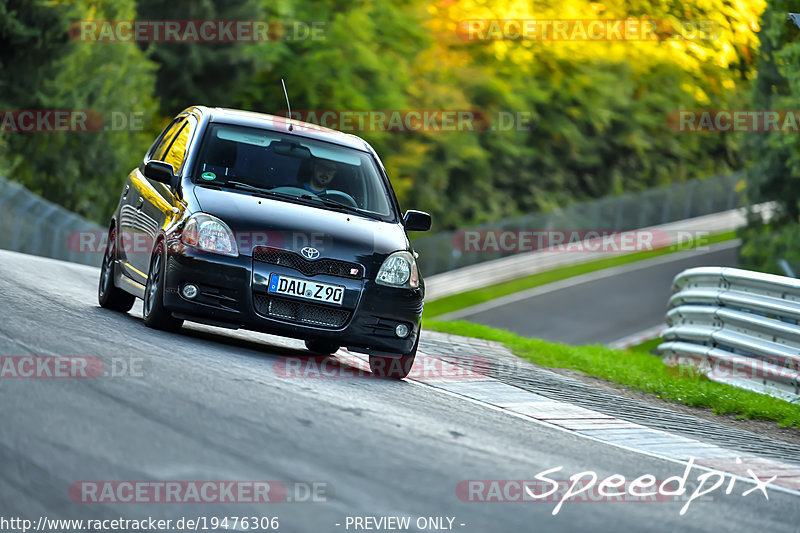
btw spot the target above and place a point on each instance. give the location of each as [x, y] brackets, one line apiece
[246, 220]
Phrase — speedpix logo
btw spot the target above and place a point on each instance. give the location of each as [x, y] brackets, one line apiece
[587, 486]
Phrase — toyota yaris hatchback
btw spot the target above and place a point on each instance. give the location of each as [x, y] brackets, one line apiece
[245, 220]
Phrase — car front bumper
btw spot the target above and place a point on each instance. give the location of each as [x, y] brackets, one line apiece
[233, 293]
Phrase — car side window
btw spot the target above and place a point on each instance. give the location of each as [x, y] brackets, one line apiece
[159, 140]
[176, 153]
[161, 148]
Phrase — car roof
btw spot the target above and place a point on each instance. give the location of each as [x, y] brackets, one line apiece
[281, 124]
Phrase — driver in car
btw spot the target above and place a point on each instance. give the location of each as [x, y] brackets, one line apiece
[322, 174]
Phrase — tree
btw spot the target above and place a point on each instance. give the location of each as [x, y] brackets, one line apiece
[81, 170]
[775, 172]
[199, 73]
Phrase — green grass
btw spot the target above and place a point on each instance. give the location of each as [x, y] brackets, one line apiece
[647, 346]
[474, 297]
[637, 370]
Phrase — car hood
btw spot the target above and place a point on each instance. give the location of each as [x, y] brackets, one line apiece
[258, 220]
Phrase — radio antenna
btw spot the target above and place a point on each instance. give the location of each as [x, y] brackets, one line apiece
[288, 105]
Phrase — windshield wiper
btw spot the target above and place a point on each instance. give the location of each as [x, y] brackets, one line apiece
[241, 185]
[260, 190]
[349, 208]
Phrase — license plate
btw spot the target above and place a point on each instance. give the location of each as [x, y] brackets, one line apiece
[308, 290]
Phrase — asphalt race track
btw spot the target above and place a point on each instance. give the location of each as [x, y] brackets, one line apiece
[601, 307]
[207, 404]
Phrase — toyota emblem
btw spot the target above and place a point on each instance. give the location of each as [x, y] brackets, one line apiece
[309, 252]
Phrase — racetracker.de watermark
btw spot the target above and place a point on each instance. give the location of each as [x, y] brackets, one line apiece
[734, 367]
[70, 367]
[734, 120]
[346, 366]
[132, 242]
[599, 241]
[69, 121]
[412, 120]
[395, 120]
[193, 491]
[196, 31]
[586, 30]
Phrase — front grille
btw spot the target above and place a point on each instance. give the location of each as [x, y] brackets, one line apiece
[300, 312]
[331, 267]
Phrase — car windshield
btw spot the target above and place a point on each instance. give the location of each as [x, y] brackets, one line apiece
[291, 166]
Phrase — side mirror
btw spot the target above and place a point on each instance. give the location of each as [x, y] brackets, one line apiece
[416, 221]
[159, 171]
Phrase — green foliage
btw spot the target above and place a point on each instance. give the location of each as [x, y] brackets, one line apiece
[775, 171]
[598, 110]
[775, 174]
[199, 73]
[594, 117]
[79, 169]
[596, 113]
[764, 245]
[32, 39]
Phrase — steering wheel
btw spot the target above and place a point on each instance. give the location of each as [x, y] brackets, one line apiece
[340, 196]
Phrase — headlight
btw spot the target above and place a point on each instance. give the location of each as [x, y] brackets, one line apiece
[399, 270]
[210, 234]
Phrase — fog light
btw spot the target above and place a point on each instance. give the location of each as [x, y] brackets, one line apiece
[401, 331]
[189, 291]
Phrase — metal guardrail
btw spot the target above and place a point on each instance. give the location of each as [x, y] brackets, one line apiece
[32, 225]
[738, 327]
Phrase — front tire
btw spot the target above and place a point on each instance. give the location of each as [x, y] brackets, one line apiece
[393, 367]
[109, 295]
[321, 347]
[155, 315]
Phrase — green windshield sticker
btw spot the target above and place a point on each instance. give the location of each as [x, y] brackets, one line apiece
[208, 176]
